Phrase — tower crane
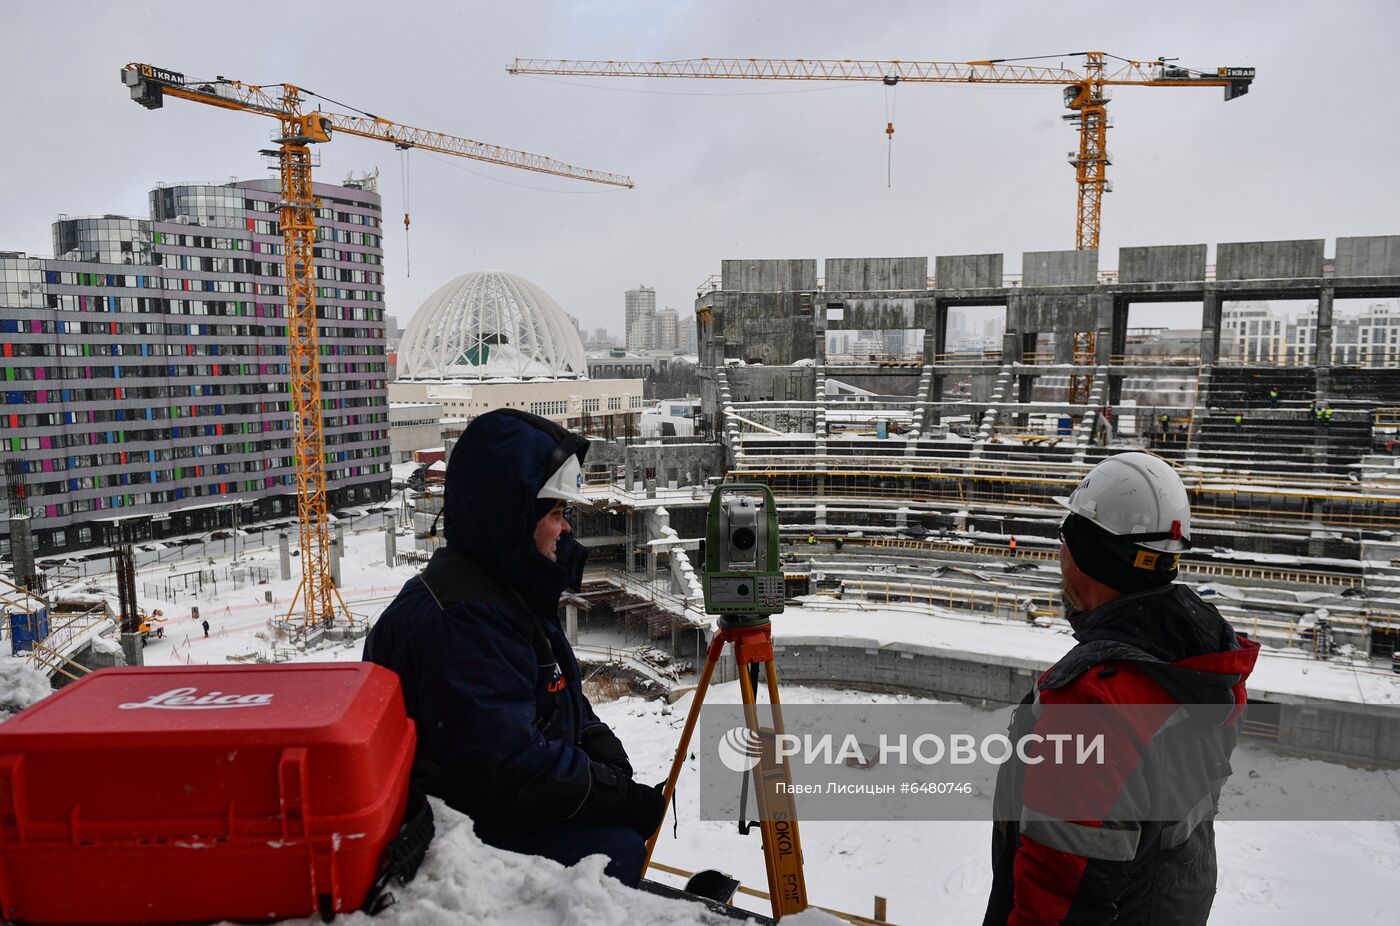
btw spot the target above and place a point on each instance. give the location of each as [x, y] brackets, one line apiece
[299, 128]
[1085, 93]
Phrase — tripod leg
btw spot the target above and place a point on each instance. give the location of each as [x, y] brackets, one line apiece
[795, 876]
[711, 660]
[744, 778]
[772, 673]
[782, 852]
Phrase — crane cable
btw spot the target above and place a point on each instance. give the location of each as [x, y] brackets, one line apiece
[407, 187]
[891, 86]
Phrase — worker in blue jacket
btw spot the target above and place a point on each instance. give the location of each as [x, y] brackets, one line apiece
[505, 733]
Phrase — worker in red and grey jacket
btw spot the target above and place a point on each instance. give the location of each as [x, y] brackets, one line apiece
[1161, 675]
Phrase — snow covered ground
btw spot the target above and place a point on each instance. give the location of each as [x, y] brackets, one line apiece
[931, 872]
[939, 872]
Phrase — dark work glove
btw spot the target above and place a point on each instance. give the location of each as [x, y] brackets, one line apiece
[602, 745]
[644, 809]
[608, 791]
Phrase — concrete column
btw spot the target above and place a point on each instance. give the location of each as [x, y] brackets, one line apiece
[1210, 328]
[1011, 347]
[1118, 328]
[571, 623]
[1323, 357]
[1317, 545]
[284, 555]
[1064, 346]
[652, 556]
[821, 516]
[634, 528]
[132, 650]
[1011, 336]
[389, 539]
[937, 344]
[337, 545]
[22, 551]
[901, 519]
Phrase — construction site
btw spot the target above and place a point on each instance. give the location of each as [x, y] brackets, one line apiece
[911, 431]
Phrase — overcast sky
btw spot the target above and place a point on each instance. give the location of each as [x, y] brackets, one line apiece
[723, 168]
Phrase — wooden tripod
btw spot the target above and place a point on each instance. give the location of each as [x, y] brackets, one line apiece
[782, 848]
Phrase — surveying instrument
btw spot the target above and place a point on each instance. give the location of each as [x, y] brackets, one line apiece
[744, 586]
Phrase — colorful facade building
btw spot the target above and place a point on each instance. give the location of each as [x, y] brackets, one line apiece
[145, 369]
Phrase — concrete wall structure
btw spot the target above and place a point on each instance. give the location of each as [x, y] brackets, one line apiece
[768, 327]
[1168, 264]
[760, 314]
[873, 274]
[1316, 726]
[1059, 268]
[972, 271]
[768, 276]
[1269, 260]
[1376, 256]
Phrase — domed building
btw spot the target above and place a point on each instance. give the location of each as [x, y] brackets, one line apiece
[488, 325]
[492, 339]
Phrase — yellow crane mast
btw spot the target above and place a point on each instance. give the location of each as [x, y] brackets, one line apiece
[1085, 93]
[301, 127]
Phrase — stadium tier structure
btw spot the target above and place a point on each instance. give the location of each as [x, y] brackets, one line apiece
[906, 452]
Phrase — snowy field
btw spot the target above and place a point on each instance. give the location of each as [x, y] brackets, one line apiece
[940, 872]
[931, 872]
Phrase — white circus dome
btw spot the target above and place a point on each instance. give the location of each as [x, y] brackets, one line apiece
[490, 325]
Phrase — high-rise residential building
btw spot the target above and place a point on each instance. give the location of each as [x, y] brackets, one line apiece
[667, 329]
[687, 336]
[146, 365]
[1257, 330]
[1251, 331]
[1370, 338]
[640, 318]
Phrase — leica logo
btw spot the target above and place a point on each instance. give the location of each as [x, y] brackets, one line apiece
[189, 699]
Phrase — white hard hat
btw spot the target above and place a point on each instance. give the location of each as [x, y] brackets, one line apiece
[1137, 497]
[566, 483]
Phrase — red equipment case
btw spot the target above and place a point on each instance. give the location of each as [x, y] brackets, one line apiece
[158, 795]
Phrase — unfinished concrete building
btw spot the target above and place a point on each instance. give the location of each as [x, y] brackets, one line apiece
[896, 486]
